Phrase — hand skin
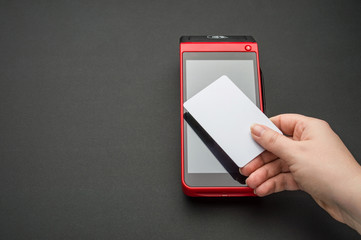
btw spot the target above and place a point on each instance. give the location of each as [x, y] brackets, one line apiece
[309, 157]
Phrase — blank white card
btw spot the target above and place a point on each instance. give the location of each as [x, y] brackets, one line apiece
[227, 114]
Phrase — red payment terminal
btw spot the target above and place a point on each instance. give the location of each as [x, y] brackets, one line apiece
[207, 171]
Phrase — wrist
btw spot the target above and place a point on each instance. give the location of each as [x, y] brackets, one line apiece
[349, 201]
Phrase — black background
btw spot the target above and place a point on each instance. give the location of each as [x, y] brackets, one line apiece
[89, 114]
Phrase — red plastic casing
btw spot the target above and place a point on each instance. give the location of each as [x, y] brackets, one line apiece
[214, 47]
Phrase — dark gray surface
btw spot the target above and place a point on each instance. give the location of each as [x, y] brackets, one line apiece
[89, 114]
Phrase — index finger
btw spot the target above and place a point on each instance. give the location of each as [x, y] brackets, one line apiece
[257, 162]
[288, 122]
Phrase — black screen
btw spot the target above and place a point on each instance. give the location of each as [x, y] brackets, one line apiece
[206, 165]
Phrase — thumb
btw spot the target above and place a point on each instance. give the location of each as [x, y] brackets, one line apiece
[274, 142]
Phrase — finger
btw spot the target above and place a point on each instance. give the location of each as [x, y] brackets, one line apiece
[274, 142]
[257, 162]
[266, 172]
[280, 182]
[288, 122]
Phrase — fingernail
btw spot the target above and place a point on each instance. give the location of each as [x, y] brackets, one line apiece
[254, 191]
[257, 130]
[240, 171]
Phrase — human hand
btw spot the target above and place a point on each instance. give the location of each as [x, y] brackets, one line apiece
[311, 157]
